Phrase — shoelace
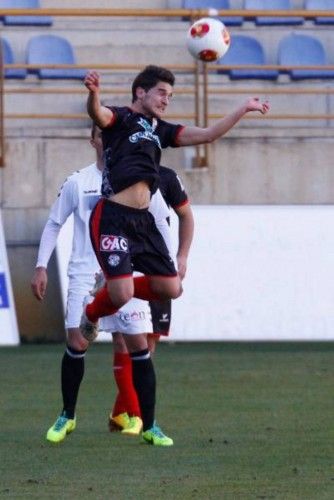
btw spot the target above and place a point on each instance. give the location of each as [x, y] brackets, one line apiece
[132, 421]
[61, 421]
[157, 431]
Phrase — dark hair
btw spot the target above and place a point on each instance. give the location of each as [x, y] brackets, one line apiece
[149, 77]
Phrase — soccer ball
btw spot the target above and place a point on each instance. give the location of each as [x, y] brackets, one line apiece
[208, 39]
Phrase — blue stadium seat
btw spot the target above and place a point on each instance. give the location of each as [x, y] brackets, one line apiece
[246, 50]
[24, 20]
[8, 58]
[52, 49]
[214, 4]
[321, 5]
[272, 5]
[294, 50]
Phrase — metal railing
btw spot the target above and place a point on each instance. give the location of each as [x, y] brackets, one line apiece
[163, 13]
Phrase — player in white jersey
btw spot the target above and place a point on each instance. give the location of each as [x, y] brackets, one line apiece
[78, 196]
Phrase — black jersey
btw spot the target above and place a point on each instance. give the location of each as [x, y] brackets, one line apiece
[171, 188]
[132, 147]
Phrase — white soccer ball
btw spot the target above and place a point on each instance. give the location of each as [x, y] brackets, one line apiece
[208, 39]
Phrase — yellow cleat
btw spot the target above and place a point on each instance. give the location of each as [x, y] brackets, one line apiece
[134, 427]
[118, 422]
[60, 429]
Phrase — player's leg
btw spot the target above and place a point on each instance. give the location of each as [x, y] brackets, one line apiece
[121, 289]
[119, 249]
[132, 319]
[126, 411]
[144, 381]
[161, 313]
[72, 372]
[157, 287]
[73, 362]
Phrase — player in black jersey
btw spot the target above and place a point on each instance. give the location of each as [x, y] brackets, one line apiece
[123, 233]
[175, 196]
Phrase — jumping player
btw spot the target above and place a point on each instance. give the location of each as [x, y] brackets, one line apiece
[121, 228]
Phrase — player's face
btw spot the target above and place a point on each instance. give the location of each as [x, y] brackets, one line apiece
[96, 142]
[155, 101]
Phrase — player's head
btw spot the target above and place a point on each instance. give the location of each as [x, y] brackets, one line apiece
[152, 90]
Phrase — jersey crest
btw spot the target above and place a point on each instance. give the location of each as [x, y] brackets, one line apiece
[147, 133]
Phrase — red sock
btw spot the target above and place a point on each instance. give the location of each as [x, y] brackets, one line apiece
[101, 306]
[127, 400]
[143, 289]
[119, 406]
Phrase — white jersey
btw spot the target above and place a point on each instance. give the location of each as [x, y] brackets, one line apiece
[78, 195]
[161, 212]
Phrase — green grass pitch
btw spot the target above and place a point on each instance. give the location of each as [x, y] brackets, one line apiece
[249, 421]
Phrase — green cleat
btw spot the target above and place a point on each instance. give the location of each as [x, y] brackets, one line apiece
[156, 437]
[60, 429]
[134, 427]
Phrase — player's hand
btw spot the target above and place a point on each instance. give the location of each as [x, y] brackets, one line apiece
[181, 266]
[254, 104]
[92, 81]
[39, 282]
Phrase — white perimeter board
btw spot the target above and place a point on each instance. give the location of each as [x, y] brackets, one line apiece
[254, 273]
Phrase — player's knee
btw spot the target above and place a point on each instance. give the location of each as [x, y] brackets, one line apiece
[119, 297]
[176, 291]
[76, 341]
[119, 344]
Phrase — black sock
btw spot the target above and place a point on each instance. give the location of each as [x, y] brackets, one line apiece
[72, 371]
[144, 382]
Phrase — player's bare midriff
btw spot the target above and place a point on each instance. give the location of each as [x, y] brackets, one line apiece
[136, 196]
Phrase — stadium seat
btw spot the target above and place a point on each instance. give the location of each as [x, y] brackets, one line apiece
[303, 50]
[52, 49]
[272, 5]
[8, 58]
[246, 50]
[321, 5]
[214, 4]
[24, 20]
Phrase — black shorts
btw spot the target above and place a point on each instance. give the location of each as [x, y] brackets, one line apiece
[161, 312]
[126, 239]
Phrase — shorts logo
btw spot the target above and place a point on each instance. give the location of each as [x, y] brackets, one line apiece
[110, 243]
[114, 260]
[134, 316]
[164, 318]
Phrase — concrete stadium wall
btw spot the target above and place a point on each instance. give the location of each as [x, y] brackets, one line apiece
[248, 166]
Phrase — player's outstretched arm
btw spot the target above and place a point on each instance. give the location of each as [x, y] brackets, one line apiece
[197, 135]
[101, 115]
